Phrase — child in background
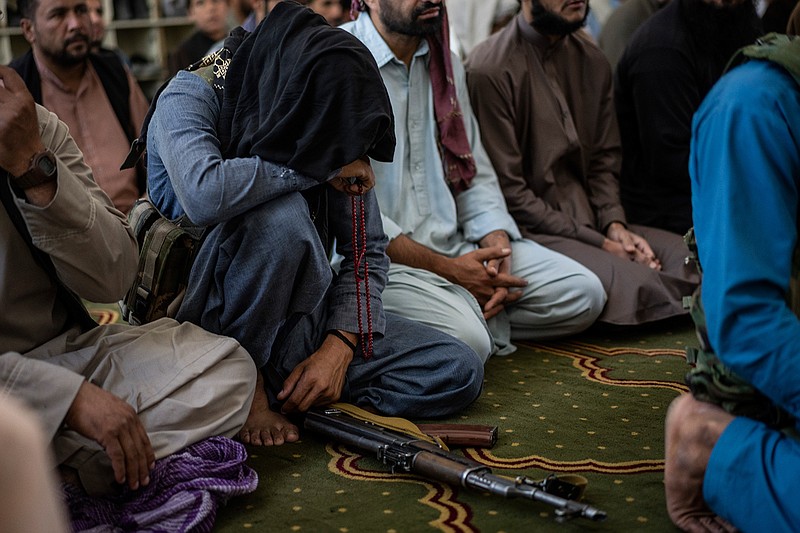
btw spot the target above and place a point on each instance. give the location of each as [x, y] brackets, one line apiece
[210, 18]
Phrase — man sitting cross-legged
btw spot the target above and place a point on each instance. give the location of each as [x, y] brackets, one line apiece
[113, 398]
[745, 158]
[542, 93]
[458, 262]
[260, 164]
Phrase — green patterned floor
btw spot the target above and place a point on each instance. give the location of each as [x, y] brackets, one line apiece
[593, 406]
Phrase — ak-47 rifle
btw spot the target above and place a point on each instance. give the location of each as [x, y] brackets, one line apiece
[406, 453]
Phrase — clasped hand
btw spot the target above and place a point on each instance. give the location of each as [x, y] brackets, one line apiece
[355, 178]
[628, 245]
[486, 274]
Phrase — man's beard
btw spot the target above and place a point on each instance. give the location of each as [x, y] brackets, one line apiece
[548, 23]
[720, 31]
[394, 21]
[64, 57]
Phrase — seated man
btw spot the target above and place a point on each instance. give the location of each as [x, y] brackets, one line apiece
[111, 398]
[262, 274]
[662, 76]
[542, 94]
[94, 94]
[745, 170]
[458, 262]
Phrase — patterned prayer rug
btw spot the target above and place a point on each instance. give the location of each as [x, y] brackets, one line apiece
[592, 405]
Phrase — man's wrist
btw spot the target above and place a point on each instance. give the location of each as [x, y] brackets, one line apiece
[42, 169]
[342, 337]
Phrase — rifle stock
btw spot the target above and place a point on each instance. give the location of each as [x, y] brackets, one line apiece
[405, 453]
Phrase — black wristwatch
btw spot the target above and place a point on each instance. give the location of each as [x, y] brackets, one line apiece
[43, 169]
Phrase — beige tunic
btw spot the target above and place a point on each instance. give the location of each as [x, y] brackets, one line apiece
[186, 384]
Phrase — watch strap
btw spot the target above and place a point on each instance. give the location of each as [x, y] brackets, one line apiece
[36, 175]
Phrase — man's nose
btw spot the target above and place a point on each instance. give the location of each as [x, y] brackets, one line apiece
[77, 20]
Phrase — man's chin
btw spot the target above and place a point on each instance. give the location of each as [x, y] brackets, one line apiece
[74, 57]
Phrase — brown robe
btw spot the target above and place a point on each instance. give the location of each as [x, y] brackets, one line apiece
[548, 123]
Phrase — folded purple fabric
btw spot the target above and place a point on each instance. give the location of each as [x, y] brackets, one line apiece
[185, 490]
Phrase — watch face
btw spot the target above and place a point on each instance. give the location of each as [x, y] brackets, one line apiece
[46, 165]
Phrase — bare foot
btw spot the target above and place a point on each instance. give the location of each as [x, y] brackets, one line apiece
[263, 426]
[692, 430]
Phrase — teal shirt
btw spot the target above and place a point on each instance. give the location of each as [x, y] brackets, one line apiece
[745, 172]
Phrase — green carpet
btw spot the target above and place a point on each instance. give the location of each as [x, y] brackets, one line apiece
[593, 405]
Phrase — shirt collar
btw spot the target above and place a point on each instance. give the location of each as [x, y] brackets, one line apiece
[538, 40]
[366, 31]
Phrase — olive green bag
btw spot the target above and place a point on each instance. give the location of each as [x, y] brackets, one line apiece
[166, 252]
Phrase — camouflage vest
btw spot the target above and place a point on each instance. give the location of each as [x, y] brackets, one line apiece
[709, 379]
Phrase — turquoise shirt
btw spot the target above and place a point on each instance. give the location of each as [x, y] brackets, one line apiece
[745, 171]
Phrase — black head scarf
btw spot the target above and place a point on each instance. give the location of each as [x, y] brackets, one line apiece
[301, 93]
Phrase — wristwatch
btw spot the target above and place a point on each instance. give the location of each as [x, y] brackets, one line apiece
[43, 169]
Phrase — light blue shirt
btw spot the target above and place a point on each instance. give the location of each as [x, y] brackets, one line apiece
[414, 196]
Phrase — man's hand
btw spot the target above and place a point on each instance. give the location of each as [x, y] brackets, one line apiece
[318, 380]
[102, 417]
[354, 179]
[19, 124]
[692, 429]
[495, 267]
[628, 245]
[19, 134]
[471, 272]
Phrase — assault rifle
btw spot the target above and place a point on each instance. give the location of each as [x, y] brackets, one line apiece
[406, 453]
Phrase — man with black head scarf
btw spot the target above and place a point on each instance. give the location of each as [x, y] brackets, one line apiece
[542, 93]
[665, 72]
[267, 144]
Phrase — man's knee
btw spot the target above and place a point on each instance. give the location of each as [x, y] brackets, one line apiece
[473, 332]
[592, 296]
[285, 219]
[573, 302]
[462, 378]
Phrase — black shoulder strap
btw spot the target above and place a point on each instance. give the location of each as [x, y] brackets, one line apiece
[114, 78]
[26, 68]
[75, 309]
[211, 68]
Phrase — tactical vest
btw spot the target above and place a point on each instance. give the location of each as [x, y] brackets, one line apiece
[709, 379]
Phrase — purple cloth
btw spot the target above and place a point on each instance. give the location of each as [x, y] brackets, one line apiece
[185, 490]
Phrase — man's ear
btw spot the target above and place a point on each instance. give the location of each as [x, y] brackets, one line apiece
[28, 30]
